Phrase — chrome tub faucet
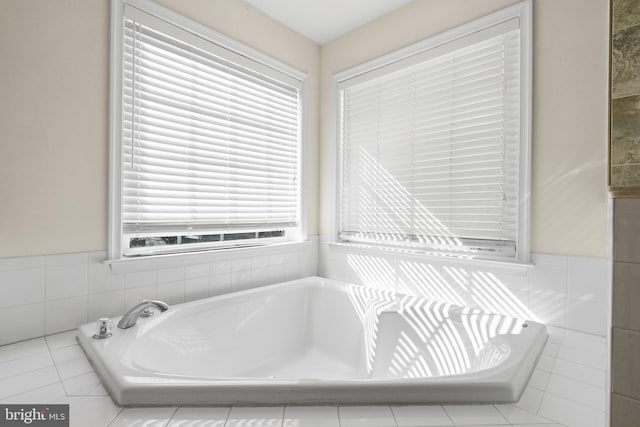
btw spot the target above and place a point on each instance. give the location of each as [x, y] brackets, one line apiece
[141, 310]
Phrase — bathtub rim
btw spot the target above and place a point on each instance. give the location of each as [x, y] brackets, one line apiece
[509, 377]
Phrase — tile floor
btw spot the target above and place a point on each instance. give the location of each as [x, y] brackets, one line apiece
[567, 389]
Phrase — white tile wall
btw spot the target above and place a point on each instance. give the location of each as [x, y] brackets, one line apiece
[60, 292]
[564, 291]
[564, 392]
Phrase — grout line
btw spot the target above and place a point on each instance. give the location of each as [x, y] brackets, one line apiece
[33, 389]
[447, 414]
[574, 401]
[393, 415]
[226, 419]
[171, 416]
[114, 417]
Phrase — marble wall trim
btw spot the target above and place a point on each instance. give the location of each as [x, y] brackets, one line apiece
[624, 145]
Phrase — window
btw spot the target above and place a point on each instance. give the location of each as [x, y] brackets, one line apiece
[433, 143]
[206, 138]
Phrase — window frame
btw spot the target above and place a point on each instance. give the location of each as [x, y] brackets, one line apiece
[521, 11]
[115, 221]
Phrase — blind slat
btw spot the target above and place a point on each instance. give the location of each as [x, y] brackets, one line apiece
[429, 151]
[208, 143]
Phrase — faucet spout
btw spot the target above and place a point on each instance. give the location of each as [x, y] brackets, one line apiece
[131, 317]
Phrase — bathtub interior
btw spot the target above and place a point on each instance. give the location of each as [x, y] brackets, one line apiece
[322, 331]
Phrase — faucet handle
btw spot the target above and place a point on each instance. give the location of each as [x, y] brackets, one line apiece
[158, 305]
[103, 328]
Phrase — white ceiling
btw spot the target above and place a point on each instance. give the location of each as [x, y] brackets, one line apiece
[325, 20]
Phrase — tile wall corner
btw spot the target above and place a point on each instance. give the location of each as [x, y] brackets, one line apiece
[61, 292]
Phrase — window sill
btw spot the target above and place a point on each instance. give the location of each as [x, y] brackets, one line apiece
[126, 265]
[434, 257]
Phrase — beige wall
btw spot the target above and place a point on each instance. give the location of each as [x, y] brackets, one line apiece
[54, 111]
[569, 194]
[54, 114]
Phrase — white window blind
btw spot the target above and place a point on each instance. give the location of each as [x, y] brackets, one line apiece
[210, 139]
[430, 147]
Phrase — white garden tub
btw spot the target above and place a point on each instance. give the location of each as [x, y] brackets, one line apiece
[316, 341]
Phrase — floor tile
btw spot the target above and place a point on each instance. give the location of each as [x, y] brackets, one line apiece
[73, 368]
[147, 417]
[65, 354]
[199, 417]
[22, 365]
[422, 416]
[81, 385]
[255, 417]
[63, 339]
[539, 379]
[28, 381]
[530, 400]
[47, 394]
[516, 415]
[584, 349]
[366, 416]
[311, 416]
[585, 374]
[93, 411]
[578, 392]
[98, 390]
[22, 349]
[570, 413]
[540, 425]
[475, 414]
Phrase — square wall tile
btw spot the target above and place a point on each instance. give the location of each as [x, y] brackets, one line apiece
[625, 127]
[31, 323]
[65, 314]
[591, 316]
[549, 289]
[625, 62]
[101, 279]
[171, 292]
[166, 275]
[220, 284]
[626, 229]
[625, 14]
[197, 288]
[589, 278]
[66, 259]
[22, 263]
[220, 267]
[140, 279]
[106, 304]
[196, 271]
[625, 412]
[625, 363]
[626, 295]
[20, 287]
[66, 281]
